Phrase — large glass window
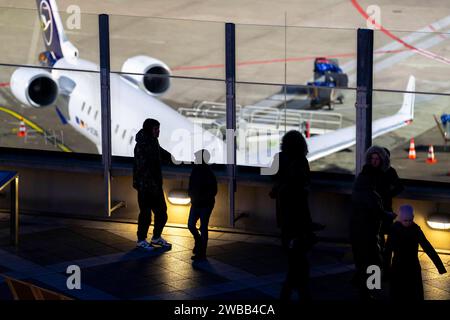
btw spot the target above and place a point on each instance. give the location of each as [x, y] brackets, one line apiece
[188, 48]
[173, 71]
[42, 109]
[291, 78]
[419, 148]
[191, 114]
[288, 78]
[50, 99]
[424, 55]
[415, 62]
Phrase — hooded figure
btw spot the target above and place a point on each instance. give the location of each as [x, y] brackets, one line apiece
[148, 157]
[147, 180]
[388, 185]
[388, 182]
[365, 221]
[385, 161]
[403, 269]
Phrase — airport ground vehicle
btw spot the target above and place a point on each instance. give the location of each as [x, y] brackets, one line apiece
[328, 79]
[325, 89]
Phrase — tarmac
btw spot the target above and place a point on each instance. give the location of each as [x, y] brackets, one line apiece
[240, 266]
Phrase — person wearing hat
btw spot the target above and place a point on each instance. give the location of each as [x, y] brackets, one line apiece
[402, 266]
[147, 180]
[388, 185]
[365, 221]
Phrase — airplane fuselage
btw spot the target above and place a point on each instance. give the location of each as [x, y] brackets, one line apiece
[130, 106]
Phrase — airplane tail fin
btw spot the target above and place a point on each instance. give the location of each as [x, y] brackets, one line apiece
[409, 99]
[56, 44]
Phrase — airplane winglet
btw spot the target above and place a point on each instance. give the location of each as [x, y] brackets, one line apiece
[409, 99]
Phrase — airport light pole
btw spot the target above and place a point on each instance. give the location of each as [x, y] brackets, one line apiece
[103, 22]
[364, 82]
[230, 69]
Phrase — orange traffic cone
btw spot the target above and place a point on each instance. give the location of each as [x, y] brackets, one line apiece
[308, 129]
[412, 149]
[22, 129]
[431, 159]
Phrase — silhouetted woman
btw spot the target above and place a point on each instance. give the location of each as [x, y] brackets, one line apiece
[388, 185]
[291, 185]
[365, 222]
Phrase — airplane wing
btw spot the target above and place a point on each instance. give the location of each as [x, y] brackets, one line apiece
[322, 145]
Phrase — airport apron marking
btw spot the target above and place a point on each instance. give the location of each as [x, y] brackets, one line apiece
[33, 126]
[391, 48]
[420, 51]
[248, 63]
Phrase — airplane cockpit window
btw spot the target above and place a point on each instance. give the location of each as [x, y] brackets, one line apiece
[96, 114]
[117, 129]
[89, 110]
[124, 133]
[131, 140]
[83, 105]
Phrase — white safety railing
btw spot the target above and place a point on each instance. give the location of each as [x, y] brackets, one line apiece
[265, 118]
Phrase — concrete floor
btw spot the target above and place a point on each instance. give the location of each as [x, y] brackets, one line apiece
[239, 266]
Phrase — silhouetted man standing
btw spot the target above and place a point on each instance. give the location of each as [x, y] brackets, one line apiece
[147, 180]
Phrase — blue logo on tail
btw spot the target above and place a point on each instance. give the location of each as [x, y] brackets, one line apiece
[49, 30]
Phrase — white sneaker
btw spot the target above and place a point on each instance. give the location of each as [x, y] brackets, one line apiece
[144, 245]
[160, 242]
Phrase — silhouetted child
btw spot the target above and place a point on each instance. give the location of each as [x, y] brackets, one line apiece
[202, 191]
[405, 272]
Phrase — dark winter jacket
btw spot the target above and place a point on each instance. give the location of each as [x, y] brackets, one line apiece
[367, 205]
[388, 184]
[403, 269]
[202, 186]
[148, 157]
[364, 194]
[365, 222]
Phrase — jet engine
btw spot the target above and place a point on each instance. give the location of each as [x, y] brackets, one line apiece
[34, 87]
[150, 74]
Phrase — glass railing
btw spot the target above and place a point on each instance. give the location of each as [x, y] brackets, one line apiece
[191, 114]
[418, 147]
[424, 55]
[274, 54]
[174, 71]
[187, 48]
[28, 38]
[55, 110]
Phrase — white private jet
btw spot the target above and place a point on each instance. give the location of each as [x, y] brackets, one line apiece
[132, 96]
[133, 99]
